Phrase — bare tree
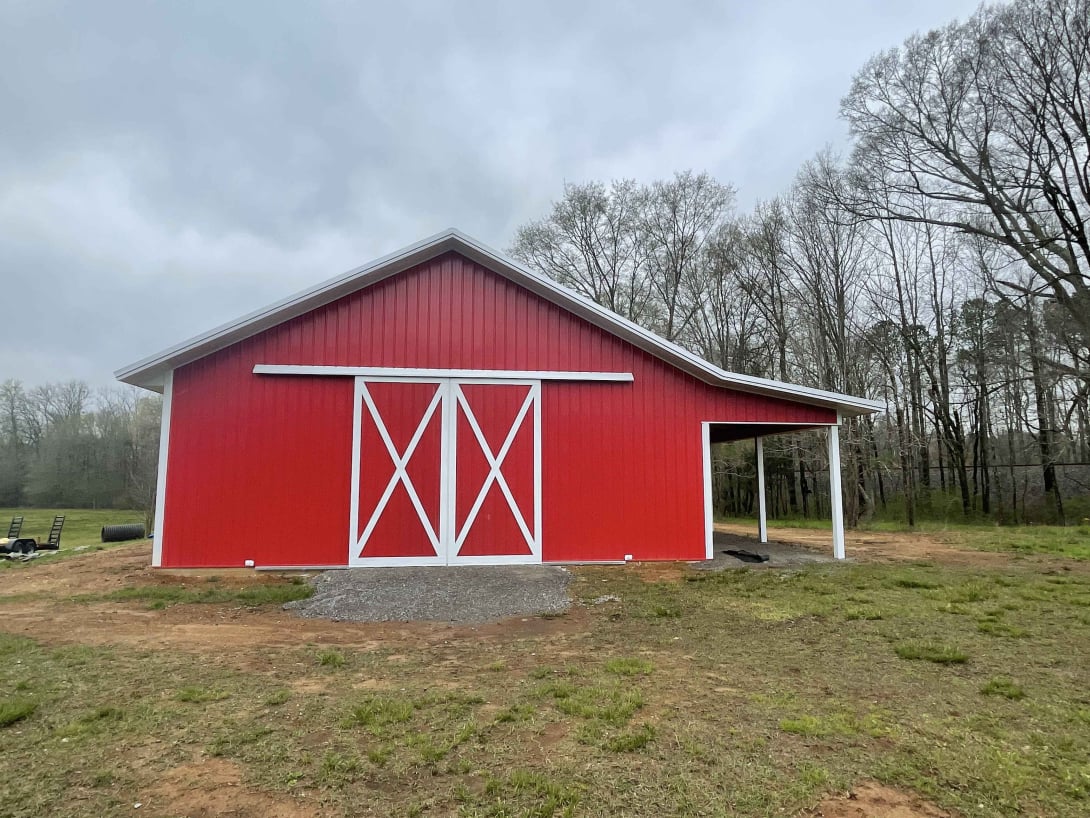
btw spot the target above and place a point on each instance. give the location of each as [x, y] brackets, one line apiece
[591, 242]
[681, 217]
[983, 127]
[725, 326]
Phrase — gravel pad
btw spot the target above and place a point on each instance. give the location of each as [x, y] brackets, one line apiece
[439, 594]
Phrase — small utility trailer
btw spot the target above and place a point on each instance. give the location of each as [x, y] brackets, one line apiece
[13, 546]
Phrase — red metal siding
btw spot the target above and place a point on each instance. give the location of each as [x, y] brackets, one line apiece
[260, 465]
[397, 529]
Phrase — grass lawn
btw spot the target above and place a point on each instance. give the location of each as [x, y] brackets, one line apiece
[1072, 541]
[82, 527]
[742, 693]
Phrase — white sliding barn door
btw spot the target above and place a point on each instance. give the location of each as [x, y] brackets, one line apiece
[445, 471]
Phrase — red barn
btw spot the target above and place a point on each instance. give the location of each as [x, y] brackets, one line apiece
[445, 405]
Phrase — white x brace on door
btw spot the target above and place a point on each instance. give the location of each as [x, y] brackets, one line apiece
[445, 471]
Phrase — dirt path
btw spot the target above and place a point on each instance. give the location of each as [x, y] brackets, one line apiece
[882, 546]
[38, 605]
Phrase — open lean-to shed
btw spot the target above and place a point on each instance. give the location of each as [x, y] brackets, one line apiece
[445, 405]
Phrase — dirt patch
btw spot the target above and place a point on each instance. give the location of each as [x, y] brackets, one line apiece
[213, 787]
[657, 571]
[221, 630]
[878, 546]
[107, 570]
[245, 634]
[96, 571]
[871, 800]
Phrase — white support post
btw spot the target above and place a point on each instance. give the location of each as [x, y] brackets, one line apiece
[762, 512]
[706, 445]
[835, 499]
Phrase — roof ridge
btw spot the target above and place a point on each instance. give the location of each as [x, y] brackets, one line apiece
[150, 371]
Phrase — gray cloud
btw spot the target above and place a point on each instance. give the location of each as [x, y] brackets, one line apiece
[166, 167]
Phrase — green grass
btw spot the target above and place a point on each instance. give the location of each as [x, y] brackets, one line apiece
[632, 740]
[1006, 688]
[195, 694]
[625, 666]
[935, 652]
[1070, 542]
[331, 658]
[16, 709]
[158, 597]
[82, 529]
[765, 692]
[378, 712]
[940, 511]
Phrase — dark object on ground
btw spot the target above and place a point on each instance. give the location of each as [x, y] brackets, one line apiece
[120, 533]
[780, 554]
[15, 527]
[746, 556]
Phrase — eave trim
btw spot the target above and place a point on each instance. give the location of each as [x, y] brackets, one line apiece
[149, 371]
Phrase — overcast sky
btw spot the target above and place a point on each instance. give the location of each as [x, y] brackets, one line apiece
[168, 167]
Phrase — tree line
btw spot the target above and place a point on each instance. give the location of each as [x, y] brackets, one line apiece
[941, 265]
[63, 445]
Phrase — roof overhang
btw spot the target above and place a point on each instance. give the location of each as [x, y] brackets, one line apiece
[150, 373]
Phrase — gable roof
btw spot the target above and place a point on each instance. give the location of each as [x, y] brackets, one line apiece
[150, 373]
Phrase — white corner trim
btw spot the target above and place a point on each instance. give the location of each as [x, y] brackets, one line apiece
[161, 477]
[456, 374]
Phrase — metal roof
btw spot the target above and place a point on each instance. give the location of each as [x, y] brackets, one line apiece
[150, 372]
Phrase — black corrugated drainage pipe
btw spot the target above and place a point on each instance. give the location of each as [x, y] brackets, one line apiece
[120, 533]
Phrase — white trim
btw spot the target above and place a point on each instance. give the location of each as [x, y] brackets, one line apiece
[378, 372]
[836, 500]
[161, 477]
[149, 372]
[448, 466]
[401, 462]
[357, 556]
[810, 424]
[762, 511]
[495, 559]
[535, 388]
[495, 465]
[444, 536]
[396, 562]
[706, 447]
[354, 500]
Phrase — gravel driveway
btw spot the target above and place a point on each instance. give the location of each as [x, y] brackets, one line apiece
[470, 594]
